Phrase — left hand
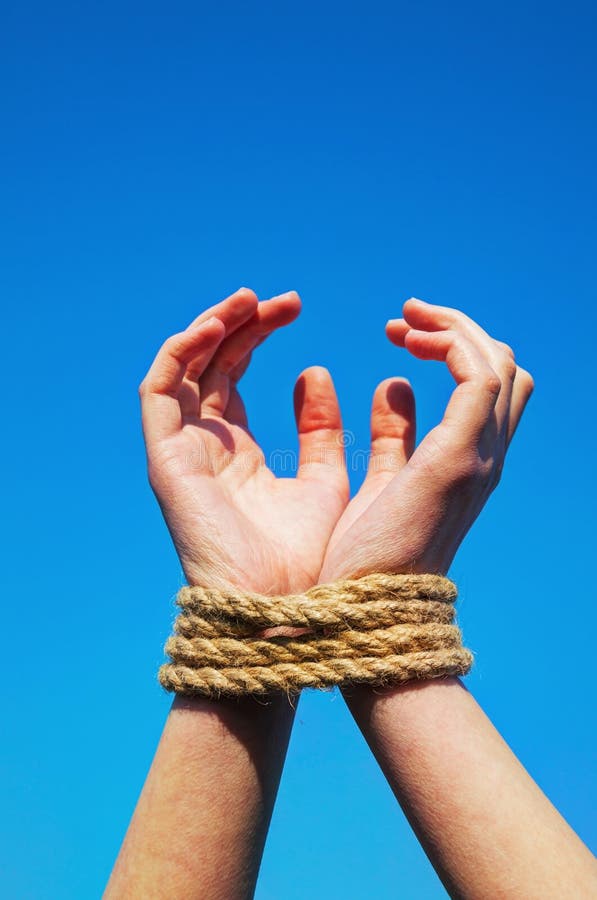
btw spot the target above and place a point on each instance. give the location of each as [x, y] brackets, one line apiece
[415, 506]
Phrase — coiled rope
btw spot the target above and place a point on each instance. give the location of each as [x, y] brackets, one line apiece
[377, 630]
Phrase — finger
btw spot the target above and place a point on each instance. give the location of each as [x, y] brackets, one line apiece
[396, 330]
[233, 311]
[429, 317]
[478, 386]
[237, 372]
[392, 428]
[216, 382]
[392, 443]
[159, 391]
[269, 315]
[319, 426]
[424, 316]
[521, 393]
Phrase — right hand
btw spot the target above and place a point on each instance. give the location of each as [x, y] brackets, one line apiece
[415, 506]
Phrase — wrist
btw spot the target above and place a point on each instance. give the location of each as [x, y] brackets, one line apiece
[222, 578]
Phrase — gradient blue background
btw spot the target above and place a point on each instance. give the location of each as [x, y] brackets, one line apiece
[156, 156]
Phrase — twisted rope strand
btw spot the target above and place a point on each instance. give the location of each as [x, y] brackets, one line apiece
[291, 610]
[212, 682]
[368, 616]
[199, 651]
[381, 629]
[339, 615]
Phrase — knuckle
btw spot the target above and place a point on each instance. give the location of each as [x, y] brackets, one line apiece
[171, 343]
[526, 380]
[507, 361]
[474, 474]
[506, 349]
[452, 317]
[469, 468]
[174, 344]
[460, 342]
[492, 382]
[464, 323]
[509, 368]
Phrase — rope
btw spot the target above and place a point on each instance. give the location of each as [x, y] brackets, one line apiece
[377, 630]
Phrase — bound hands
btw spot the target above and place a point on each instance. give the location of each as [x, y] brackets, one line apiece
[234, 523]
[214, 778]
[213, 781]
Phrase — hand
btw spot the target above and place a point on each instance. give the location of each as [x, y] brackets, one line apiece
[232, 521]
[415, 506]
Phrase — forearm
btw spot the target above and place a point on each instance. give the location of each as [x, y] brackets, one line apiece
[200, 824]
[485, 825]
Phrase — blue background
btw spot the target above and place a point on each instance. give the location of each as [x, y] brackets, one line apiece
[156, 156]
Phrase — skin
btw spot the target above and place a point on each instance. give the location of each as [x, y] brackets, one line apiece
[485, 825]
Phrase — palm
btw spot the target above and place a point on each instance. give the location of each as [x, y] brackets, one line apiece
[228, 512]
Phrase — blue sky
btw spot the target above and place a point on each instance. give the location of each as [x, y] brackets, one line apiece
[154, 157]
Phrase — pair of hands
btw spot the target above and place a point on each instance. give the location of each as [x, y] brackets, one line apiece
[235, 524]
